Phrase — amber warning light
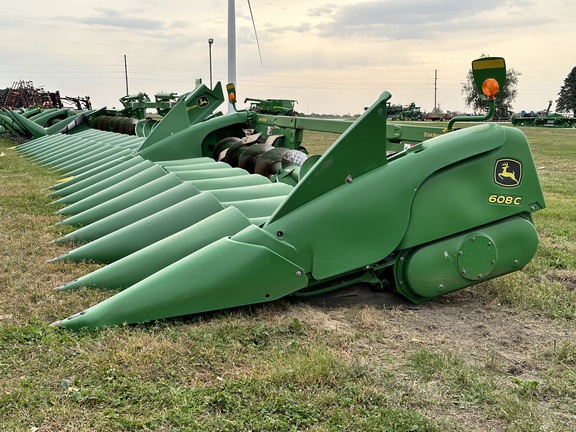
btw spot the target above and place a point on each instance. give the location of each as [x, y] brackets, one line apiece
[490, 88]
[231, 93]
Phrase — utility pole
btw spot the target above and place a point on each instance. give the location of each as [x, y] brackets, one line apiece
[126, 73]
[435, 87]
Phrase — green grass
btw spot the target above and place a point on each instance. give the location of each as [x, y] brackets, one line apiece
[500, 356]
[548, 283]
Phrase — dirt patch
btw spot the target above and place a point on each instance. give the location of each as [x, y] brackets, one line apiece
[480, 330]
[566, 278]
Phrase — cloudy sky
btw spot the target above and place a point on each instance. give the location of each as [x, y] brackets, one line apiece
[332, 56]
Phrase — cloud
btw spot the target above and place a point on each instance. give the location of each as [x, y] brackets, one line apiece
[119, 19]
[300, 28]
[180, 24]
[322, 11]
[416, 19]
[409, 12]
[351, 49]
[128, 23]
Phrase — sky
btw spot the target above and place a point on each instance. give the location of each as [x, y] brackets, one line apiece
[332, 57]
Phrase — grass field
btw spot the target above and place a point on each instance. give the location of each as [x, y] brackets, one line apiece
[500, 356]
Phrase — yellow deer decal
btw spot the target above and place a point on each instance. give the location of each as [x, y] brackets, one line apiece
[504, 173]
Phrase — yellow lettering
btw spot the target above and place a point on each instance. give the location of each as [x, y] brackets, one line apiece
[505, 199]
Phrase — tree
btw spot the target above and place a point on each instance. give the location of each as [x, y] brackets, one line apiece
[567, 100]
[504, 99]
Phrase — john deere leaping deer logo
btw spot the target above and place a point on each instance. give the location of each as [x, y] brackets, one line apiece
[202, 101]
[508, 172]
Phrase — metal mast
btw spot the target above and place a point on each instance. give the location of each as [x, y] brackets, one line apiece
[231, 45]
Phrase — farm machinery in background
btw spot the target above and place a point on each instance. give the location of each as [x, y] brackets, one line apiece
[77, 103]
[31, 121]
[23, 94]
[405, 113]
[543, 119]
[438, 115]
[212, 211]
[135, 118]
[273, 106]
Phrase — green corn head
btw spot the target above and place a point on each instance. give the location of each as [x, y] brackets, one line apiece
[212, 211]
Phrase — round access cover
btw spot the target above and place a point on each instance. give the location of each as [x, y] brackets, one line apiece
[477, 257]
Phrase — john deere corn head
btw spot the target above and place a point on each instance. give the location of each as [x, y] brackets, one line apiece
[554, 120]
[29, 123]
[543, 119]
[213, 211]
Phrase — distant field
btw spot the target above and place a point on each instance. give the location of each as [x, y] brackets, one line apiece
[500, 356]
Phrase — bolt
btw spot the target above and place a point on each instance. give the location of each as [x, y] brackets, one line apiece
[489, 243]
[348, 179]
[515, 262]
[460, 253]
[480, 276]
[473, 238]
[532, 208]
[463, 271]
[441, 287]
[280, 234]
[298, 273]
[493, 262]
